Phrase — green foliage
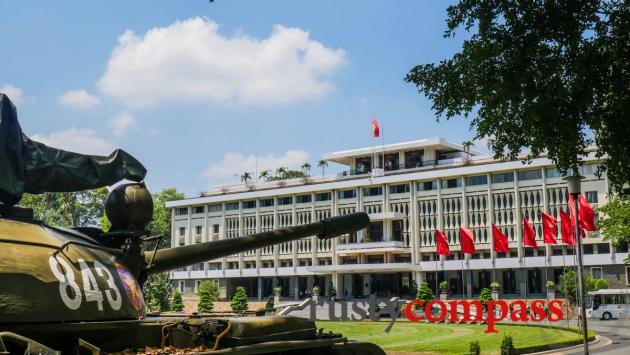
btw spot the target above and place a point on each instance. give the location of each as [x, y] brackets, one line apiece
[316, 290]
[540, 75]
[424, 293]
[601, 284]
[156, 292]
[176, 304]
[246, 177]
[330, 290]
[270, 304]
[550, 284]
[475, 349]
[507, 346]
[284, 174]
[322, 164]
[568, 283]
[212, 286]
[68, 209]
[205, 301]
[161, 223]
[444, 285]
[615, 223]
[239, 301]
[495, 285]
[485, 296]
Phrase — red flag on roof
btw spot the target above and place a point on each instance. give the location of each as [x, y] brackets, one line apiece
[442, 243]
[375, 130]
[566, 227]
[550, 229]
[529, 235]
[468, 240]
[500, 240]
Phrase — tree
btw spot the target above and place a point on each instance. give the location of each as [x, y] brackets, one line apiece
[306, 167]
[212, 286]
[177, 305]
[281, 171]
[322, 164]
[549, 76]
[161, 223]
[239, 301]
[270, 304]
[424, 293]
[568, 283]
[68, 209]
[265, 174]
[156, 292]
[615, 222]
[246, 177]
[485, 296]
[205, 301]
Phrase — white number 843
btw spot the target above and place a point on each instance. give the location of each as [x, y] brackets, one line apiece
[64, 273]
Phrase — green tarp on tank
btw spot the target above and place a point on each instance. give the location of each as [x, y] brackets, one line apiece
[33, 167]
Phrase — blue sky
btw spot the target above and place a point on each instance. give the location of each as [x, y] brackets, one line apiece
[180, 84]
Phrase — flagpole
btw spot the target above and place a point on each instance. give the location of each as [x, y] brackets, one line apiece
[463, 257]
[564, 269]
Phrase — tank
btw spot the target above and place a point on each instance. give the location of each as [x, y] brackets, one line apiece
[79, 290]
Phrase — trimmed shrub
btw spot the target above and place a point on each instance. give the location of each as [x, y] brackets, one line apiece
[485, 296]
[239, 301]
[507, 346]
[269, 305]
[475, 349]
[176, 304]
[424, 293]
[205, 301]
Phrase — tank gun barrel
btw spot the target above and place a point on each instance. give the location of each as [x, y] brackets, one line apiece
[173, 258]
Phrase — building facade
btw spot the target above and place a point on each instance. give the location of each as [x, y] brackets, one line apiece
[409, 190]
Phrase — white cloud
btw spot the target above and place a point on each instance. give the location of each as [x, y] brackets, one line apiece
[13, 92]
[237, 163]
[120, 123]
[190, 61]
[81, 140]
[78, 99]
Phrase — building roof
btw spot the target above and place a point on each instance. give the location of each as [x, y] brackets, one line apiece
[438, 143]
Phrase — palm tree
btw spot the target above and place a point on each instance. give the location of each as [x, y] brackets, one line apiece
[306, 167]
[265, 174]
[467, 145]
[322, 164]
[281, 171]
[246, 177]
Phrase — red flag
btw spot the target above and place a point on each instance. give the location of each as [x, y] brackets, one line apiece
[550, 229]
[500, 240]
[529, 235]
[442, 243]
[566, 227]
[586, 214]
[467, 240]
[375, 130]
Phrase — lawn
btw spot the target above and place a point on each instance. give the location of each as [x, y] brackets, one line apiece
[430, 338]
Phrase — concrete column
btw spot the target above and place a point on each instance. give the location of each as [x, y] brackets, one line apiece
[258, 230]
[294, 246]
[548, 248]
[313, 238]
[189, 235]
[440, 217]
[260, 287]
[469, 286]
[296, 287]
[490, 217]
[522, 276]
[241, 228]
[334, 213]
[276, 249]
[413, 226]
[223, 235]
[519, 218]
[174, 234]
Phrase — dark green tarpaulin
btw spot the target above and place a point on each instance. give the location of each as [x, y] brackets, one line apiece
[33, 167]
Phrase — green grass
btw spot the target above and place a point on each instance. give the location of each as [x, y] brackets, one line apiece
[430, 338]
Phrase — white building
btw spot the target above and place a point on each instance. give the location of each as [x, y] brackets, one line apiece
[426, 184]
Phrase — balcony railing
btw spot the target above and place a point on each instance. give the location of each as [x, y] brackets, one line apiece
[397, 166]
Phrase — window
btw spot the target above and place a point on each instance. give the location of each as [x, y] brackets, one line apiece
[215, 228]
[249, 204]
[198, 230]
[303, 198]
[375, 259]
[215, 208]
[198, 209]
[323, 196]
[287, 200]
[529, 175]
[427, 185]
[451, 183]
[197, 283]
[553, 173]
[344, 194]
[603, 248]
[373, 191]
[502, 177]
[477, 180]
[182, 231]
[266, 202]
[591, 196]
[399, 189]
[587, 248]
[181, 211]
[623, 248]
[596, 272]
[180, 286]
[231, 206]
[627, 275]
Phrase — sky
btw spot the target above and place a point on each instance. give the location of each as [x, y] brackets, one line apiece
[201, 91]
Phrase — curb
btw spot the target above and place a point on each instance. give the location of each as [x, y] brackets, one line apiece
[599, 341]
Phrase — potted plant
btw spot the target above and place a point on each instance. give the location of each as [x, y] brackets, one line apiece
[443, 290]
[276, 294]
[315, 293]
[551, 290]
[495, 290]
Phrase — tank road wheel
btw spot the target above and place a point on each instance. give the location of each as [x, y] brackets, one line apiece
[606, 316]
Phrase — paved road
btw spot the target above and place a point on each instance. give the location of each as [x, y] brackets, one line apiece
[616, 330]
